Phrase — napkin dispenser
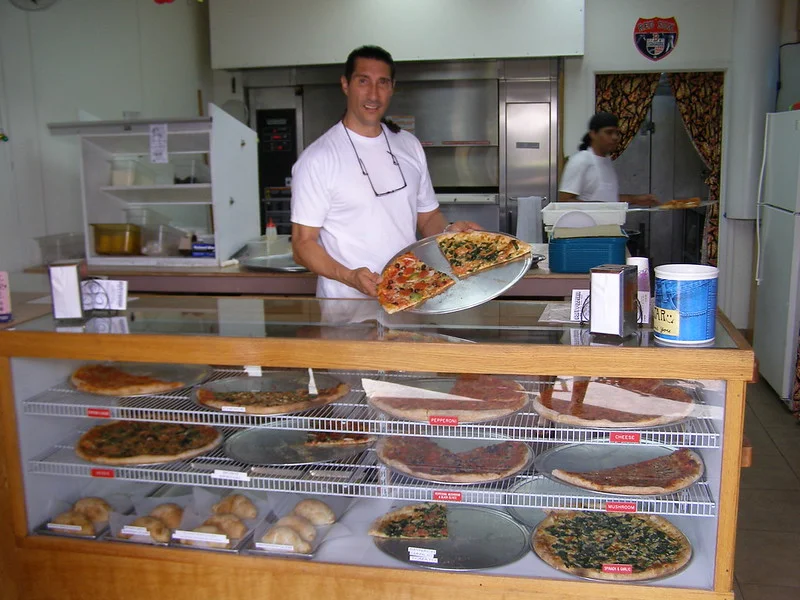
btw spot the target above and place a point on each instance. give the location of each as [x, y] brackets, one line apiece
[613, 294]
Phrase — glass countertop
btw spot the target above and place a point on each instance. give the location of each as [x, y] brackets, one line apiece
[499, 321]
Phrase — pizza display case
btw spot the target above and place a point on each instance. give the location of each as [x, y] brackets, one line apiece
[43, 416]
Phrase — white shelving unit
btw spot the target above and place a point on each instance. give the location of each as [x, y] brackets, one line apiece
[228, 207]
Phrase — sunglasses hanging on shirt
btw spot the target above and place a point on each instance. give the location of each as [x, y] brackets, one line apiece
[364, 168]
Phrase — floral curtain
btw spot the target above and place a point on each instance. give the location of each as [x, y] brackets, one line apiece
[699, 100]
[628, 96]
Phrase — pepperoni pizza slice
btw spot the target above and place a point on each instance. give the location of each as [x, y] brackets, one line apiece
[408, 282]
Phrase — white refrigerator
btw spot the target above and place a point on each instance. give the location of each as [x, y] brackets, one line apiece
[777, 319]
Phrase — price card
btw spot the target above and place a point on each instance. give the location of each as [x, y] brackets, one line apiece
[198, 536]
[625, 437]
[233, 409]
[621, 507]
[232, 475]
[158, 143]
[447, 496]
[275, 547]
[443, 420]
[253, 370]
[426, 555]
[134, 530]
[98, 413]
[61, 527]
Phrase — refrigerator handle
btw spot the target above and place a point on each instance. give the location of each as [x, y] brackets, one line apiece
[760, 198]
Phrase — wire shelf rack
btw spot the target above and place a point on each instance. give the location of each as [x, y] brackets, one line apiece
[363, 476]
[351, 413]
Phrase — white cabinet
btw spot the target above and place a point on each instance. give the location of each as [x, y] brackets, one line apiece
[227, 206]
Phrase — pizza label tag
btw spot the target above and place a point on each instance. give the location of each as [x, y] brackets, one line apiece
[104, 473]
[98, 413]
[275, 547]
[625, 437]
[613, 568]
[253, 370]
[134, 530]
[199, 536]
[621, 507]
[62, 527]
[235, 475]
[447, 496]
[426, 555]
[443, 420]
[236, 409]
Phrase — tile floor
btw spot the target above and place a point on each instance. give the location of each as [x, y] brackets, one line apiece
[768, 537]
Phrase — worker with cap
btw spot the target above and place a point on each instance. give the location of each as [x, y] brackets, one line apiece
[589, 175]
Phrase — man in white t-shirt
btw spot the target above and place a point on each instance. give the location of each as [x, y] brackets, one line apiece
[589, 175]
[362, 191]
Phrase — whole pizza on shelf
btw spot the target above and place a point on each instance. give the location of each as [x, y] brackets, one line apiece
[424, 459]
[418, 521]
[270, 402]
[470, 252]
[490, 398]
[614, 403]
[611, 546]
[106, 380]
[138, 443]
[662, 475]
[407, 282]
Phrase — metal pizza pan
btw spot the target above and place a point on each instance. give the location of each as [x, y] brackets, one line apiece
[632, 582]
[188, 375]
[478, 538]
[596, 457]
[459, 445]
[271, 382]
[443, 385]
[536, 259]
[281, 263]
[276, 447]
[466, 293]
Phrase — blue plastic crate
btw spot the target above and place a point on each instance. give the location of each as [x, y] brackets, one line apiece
[578, 255]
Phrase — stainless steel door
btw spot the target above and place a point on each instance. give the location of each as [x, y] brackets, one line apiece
[527, 152]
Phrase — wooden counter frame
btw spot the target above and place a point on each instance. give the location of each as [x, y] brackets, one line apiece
[39, 567]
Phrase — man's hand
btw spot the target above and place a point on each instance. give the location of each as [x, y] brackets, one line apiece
[364, 280]
[462, 226]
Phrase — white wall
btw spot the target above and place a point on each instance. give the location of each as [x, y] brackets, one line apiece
[704, 43]
[267, 33]
[100, 56]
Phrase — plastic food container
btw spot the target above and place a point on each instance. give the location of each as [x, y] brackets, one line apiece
[117, 238]
[144, 217]
[603, 213]
[191, 170]
[578, 255]
[161, 240]
[130, 171]
[61, 246]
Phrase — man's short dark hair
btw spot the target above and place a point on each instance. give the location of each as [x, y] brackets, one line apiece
[372, 52]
